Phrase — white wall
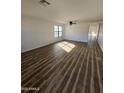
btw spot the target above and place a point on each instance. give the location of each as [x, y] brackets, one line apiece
[36, 33]
[77, 32]
[100, 36]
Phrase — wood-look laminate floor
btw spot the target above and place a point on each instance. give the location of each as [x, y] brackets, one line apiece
[63, 67]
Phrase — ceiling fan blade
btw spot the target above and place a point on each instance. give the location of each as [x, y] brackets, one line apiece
[44, 2]
[48, 3]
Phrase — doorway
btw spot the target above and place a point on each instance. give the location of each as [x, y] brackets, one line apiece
[93, 33]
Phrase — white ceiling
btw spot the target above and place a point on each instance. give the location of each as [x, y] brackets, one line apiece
[64, 10]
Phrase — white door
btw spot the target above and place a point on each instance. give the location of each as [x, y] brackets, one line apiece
[93, 32]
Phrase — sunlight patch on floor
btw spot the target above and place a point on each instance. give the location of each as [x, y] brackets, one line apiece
[66, 46]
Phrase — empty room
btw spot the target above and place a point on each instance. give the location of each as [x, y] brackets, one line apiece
[62, 46]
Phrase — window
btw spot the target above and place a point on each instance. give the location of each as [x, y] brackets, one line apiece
[57, 31]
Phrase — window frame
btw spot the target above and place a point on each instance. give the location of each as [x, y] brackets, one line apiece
[58, 31]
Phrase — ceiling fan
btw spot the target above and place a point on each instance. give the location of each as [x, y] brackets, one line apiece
[44, 2]
[72, 22]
